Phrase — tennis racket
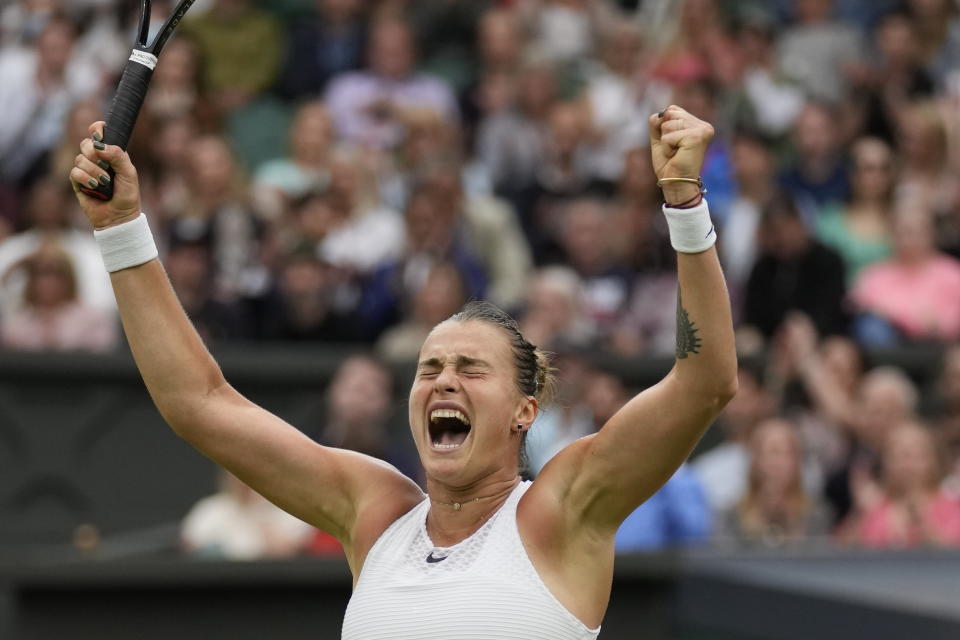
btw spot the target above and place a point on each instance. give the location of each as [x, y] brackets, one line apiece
[134, 84]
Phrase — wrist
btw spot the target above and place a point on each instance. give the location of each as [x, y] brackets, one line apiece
[679, 192]
[114, 222]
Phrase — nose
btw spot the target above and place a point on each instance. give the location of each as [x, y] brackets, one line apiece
[447, 381]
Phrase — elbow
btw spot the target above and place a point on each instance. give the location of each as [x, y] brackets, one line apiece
[728, 390]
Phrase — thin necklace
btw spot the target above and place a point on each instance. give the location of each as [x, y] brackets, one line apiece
[459, 505]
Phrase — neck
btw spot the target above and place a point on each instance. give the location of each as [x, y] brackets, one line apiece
[448, 523]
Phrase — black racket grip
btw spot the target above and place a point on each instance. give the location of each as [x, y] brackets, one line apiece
[122, 117]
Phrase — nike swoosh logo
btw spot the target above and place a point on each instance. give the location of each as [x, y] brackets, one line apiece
[432, 559]
[709, 232]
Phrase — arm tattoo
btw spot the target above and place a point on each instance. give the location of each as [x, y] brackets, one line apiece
[687, 340]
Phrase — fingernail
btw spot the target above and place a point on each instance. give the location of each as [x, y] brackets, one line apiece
[660, 115]
[104, 179]
[99, 146]
[97, 137]
[93, 183]
[103, 164]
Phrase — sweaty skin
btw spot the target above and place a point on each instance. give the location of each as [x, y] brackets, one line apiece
[567, 519]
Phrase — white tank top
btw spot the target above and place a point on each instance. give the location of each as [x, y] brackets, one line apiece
[482, 588]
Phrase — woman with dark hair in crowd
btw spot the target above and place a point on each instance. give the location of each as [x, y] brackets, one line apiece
[483, 554]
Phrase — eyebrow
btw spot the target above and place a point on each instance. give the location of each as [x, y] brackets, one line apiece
[462, 362]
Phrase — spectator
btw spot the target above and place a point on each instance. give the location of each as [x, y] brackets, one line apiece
[176, 83]
[238, 523]
[754, 173]
[948, 417]
[219, 208]
[793, 272]
[281, 181]
[677, 515]
[886, 398]
[938, 32]
[328, 43]
[908, 509]
[914, 295]
[366, 105]
[775, 509]
[441, 295]
[620, 98]
[819, 52]
[358, 413]
[554, 316]
[774, 101]
[39, 87]
[52, 318]
[818, 174]
[723, 470]
[241, 47]
[927, 179]
[859, 230]
[47, 212]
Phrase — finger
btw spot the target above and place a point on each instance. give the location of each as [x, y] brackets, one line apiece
[674, 112]
[672, 140]
[95, 170]
[653, 124]
[673, 125]
[80, 177]
[96, 130]
[110, 154]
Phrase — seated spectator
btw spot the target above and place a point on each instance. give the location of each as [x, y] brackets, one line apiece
[219, 208]
[40, 85]
[621, 97]
[279, 182]
[818, 174]
[915, 295]
[365, 105]
[52, 318]
[859, 229]
[47, 213]
[677, 515]
[928, 177]
[358, 414]
[441, 296]
[947, 406]
[886, 398]
[554, 315]
[434, 234]
[774, 101]
[793, 272]
[938, 32]
[240, 45]
[238, 523]
[908, 508]
[304, 307]
[328, 43]
[175, 84]
[366, 233]
[587, 241]
[776, 509]
[820, 52]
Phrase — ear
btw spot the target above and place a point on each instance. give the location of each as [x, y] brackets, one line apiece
[527, 411]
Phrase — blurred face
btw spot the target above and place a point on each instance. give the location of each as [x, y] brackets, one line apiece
[178, 66]
[537, 89]
[751, 160]
[440, 296]
[776, 455]
[46, 207]
[429, 226]
[872, 169]
[566, 128]
[360, 392]
[188, 267]
[499, 38]
[303, 278]
[909, 460]
[54, 47]
[605, 396]
[842, 360]
[913, 235]
[883, 403]
[550, 302]
[311, 132]
[212, 166]
[391, 51]
[813, 11]
[50, 284]
[814, 134]
[895, 40]
[464, 404]
[586, 238]
[624, 50]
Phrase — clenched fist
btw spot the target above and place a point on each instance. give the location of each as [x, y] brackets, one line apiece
[678, 143]
[90, 168]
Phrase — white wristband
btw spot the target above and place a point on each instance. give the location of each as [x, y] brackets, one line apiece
[126, 245]
[691, 230]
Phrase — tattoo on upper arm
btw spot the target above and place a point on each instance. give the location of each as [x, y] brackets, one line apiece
[687, 340]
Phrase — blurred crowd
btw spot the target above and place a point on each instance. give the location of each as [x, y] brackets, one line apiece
[352, 171]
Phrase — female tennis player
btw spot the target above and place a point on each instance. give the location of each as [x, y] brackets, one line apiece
[483, 554]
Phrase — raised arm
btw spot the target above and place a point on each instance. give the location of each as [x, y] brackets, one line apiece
[325, 487]
[601, 479]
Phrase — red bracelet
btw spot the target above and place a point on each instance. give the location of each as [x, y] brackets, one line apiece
[689, 204]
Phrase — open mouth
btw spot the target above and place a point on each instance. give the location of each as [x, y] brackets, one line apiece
[448, 428]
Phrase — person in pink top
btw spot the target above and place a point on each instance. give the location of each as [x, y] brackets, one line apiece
[909, 509]
[917, 291]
